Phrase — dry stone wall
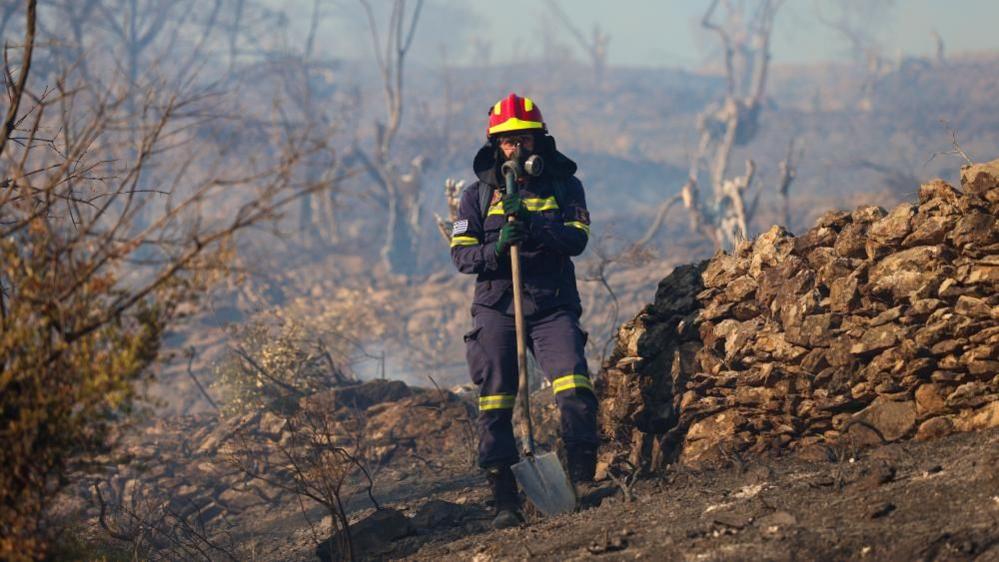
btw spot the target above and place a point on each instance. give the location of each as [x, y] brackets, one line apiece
[874, 325]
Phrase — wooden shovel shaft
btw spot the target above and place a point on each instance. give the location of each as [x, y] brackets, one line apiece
[510, 171]
[523, 390]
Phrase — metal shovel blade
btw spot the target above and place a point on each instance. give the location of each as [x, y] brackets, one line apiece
[544, 481]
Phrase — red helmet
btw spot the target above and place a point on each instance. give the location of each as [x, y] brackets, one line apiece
[514, 113]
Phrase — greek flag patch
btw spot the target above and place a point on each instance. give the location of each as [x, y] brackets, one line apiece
[460, 227]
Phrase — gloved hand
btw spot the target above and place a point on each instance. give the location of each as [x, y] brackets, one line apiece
[513, 205]
[511, 233]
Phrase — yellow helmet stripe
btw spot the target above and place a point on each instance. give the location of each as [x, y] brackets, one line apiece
[498, 107]
[528, 104]
[514, 124]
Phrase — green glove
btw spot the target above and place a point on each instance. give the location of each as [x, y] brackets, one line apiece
[511, 233]
[513, 206]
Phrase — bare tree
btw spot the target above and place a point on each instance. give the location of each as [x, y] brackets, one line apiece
[87, 291]
[401, 189]
[857, 21]
[724, 218]
[595, 46]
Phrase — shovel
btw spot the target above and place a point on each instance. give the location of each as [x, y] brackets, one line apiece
[542, 477]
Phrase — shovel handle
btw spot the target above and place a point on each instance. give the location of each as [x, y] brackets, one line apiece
[511, 170]
[523, 390]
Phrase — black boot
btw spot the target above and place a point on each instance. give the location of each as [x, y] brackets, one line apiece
[582, 465]
[504, 488]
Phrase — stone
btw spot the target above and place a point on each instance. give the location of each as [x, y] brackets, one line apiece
[908, 271]
[935, 428]
[986, 417]
[895, 226]
[371, 534]
[928, 231]
[740, 288]
[770, 249]
[975, 228]
[437, 514]
[852, 241]
[878, 339]
[938, 189]
[834, 219]
[889, 319]
[982, 180]
[930, 399]
[973, 307]
[893, 419]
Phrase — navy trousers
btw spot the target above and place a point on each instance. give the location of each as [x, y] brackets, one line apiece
[556, 341]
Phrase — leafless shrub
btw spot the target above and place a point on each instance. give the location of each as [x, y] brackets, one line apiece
[319, 457]
[154, 527]
[100, 242]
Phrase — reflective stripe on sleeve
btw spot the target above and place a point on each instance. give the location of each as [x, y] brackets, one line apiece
[580, 225]
[571, 381]
[496, 402]
[464, 241]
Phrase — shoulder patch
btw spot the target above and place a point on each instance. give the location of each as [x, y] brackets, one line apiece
[460, 227]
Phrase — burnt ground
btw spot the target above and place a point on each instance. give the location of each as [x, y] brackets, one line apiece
[911, 500]
[936, 500]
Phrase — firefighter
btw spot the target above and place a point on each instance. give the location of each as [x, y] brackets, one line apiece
[551, 226]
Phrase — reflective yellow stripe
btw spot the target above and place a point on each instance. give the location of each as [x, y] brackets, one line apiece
[498, 107]
[528, 104]
[514, 124]
[581, 226]
[572, 381]
[534, 205]
[464, 241]
[547, 204]
[496, 402]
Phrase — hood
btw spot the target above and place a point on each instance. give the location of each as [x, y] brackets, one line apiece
[557, 165]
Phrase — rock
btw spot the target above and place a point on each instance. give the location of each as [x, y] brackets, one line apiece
[895, 226]
[893, 419]
[437, 514]
[371, 534]
[929, 231]
[930, 399]
[909, 271]
[935, 428]
[880, 509]
[878, 339]
[982, 180]
[868, 320]
[938, 189]
[985, 417]
[976, 228]
[973, 307]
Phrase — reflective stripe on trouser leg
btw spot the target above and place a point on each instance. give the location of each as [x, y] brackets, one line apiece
[558, 344]
[492, 363]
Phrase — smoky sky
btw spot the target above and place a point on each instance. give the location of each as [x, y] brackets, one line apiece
[652, 32]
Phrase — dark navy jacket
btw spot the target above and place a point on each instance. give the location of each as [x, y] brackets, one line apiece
[557, 230]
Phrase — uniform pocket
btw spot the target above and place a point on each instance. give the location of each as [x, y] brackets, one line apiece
[472, 335]
[474, 356]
